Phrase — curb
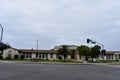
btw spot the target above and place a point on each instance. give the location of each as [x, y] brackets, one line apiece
[62, 63]
[55, 63]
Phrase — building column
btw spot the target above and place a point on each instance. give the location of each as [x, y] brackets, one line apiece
[41, 56]
[33, 56]
[54, 57]
[114, 57]
[49, 57]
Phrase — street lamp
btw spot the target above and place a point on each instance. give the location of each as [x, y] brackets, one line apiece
[1, 33]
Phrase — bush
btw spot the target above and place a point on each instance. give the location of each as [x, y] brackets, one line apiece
[16, 56]
[60, 57]
[22, 57]
[1, 57]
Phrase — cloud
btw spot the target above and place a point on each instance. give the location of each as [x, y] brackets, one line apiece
[60, 22]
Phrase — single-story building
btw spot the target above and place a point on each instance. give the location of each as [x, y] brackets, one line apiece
[53, 54]
[31, 53]
[37, 54]
[113, 55]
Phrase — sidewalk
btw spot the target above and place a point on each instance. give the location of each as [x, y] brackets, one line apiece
[107, 64]
[1, 61]
[27, 62]
[61, 63]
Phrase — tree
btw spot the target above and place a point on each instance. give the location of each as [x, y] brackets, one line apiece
[73, 53]
[63, 51]
[95, 51]
[84, 51]
[16, 56]
[3, 46]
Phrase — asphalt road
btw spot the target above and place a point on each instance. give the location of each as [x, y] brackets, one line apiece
[20, 71]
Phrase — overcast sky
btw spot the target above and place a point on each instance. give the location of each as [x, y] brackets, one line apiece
[57, 22]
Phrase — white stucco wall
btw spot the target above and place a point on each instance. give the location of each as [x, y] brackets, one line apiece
[117, 57]
[10, 51]
[49, 57]
[33, 56]
[54, 57]
[78, 57]
[68, 57]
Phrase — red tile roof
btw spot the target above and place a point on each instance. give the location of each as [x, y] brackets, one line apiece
[37, 51]
[112, 52]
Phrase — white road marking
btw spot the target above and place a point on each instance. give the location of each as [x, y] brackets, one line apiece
[48, 69]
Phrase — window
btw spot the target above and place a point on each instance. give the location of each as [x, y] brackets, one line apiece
[39, 55]
[43, 56]
[107, 56]
[23, 55]
[26, 55]
[112, 56]
[51, 55]
[36, 55]
[119, 56]
[46, 56]
[30, 55]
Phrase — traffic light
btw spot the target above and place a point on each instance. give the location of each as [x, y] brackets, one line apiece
[103, 51]
[88, 40]
[93, 42]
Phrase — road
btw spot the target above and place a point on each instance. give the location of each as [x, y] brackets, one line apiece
[21, 71]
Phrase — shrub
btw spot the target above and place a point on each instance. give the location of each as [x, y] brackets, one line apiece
[1, 57]
[60, 57]
[16, 56]
[22, 57]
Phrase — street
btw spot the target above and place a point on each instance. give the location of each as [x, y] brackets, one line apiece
[21, 71]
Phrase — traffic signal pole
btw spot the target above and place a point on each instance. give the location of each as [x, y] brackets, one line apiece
[102, 50]
[94, 42]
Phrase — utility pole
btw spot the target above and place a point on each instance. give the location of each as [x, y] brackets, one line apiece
[1, 41]
[1, 33]
[37, 50]
[37, 44]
